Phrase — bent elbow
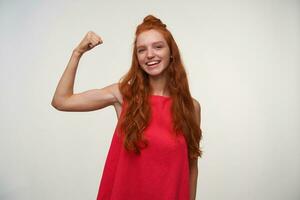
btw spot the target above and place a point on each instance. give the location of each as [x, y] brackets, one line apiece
[56, 105]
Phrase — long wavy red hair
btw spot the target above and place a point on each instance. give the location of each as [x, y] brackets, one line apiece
[136, 89]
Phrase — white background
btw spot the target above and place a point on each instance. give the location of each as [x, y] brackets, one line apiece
[243, 63]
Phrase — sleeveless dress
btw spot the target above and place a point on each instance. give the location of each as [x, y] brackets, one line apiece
[160, 172]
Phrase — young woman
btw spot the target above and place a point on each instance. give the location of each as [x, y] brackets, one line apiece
[156, 143]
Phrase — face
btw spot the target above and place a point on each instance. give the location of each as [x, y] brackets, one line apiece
[153, 52]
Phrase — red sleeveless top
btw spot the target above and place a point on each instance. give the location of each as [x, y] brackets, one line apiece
[160, 172]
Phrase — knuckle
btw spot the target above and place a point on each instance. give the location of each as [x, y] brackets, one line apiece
[89, 34]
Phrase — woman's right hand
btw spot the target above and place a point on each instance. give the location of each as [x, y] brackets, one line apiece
[89, 41]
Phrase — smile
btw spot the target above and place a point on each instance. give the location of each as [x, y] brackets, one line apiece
[152, 63]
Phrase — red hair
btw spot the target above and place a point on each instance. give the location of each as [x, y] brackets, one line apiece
[136, 90]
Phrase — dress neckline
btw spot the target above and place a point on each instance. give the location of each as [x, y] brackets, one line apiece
[160, 96]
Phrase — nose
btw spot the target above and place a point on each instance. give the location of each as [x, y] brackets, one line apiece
[150, 54]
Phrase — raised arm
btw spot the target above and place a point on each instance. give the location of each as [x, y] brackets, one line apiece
[65, 100]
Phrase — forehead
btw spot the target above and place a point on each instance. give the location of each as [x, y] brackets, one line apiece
[149, 37]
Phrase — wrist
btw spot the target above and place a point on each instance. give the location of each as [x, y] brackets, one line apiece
[77, 52]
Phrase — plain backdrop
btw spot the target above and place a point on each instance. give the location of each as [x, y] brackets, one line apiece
[243, 65]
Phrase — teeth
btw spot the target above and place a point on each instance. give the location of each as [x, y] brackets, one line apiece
[152, 62]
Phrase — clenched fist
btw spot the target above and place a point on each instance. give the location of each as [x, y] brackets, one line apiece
[89, 41]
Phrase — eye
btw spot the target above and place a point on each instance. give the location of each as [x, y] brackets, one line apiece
[159, 46]
[140, 50]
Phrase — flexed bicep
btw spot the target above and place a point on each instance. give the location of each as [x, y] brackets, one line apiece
[89, 100]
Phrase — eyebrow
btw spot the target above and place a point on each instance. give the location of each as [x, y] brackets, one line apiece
[154, 43]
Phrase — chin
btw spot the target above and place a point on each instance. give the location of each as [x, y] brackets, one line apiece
[154, 72]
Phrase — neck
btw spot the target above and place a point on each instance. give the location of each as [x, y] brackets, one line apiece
[158, 85]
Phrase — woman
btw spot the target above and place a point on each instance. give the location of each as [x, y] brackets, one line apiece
[155, 146]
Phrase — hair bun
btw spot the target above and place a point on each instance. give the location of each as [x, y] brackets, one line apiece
[153, 20]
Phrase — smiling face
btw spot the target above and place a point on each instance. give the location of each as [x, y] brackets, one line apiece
[153, 52]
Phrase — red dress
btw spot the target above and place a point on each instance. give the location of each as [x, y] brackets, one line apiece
[160, 172]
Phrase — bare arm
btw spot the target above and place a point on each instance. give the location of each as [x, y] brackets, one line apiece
[194, 163]
[193, 179]
[65, 100]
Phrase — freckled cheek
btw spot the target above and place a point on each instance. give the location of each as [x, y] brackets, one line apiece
[166, 56]
[140, 60]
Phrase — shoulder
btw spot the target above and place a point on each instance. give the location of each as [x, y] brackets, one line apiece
[111, 93]
[197, 110]
[115, 90]
[197, 105]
